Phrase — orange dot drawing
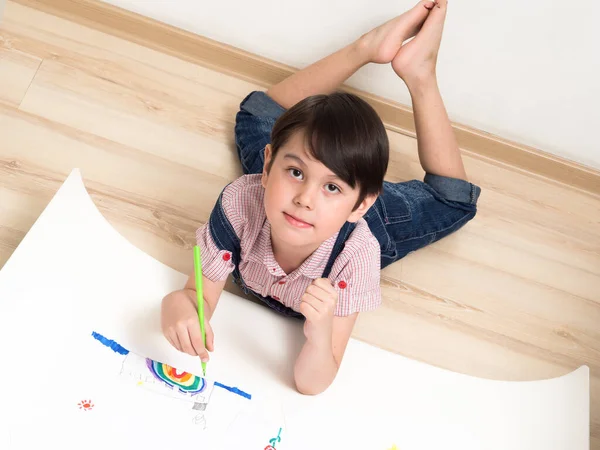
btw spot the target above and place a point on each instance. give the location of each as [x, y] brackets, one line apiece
[85, 405]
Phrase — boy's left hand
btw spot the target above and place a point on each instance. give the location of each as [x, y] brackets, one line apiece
[318, 306]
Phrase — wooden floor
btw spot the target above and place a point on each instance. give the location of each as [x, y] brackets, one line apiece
[514, 295]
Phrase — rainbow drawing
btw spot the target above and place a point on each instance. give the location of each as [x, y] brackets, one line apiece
[186, 382]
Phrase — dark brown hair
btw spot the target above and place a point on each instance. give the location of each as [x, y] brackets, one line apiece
[343, 132]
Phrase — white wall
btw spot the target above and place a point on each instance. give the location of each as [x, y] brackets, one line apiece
[526, 71]
[2, 6]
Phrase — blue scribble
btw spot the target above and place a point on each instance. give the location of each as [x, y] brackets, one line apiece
[114, 346]
[234, 390]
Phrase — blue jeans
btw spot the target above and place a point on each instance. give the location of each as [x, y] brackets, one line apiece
[405, 217]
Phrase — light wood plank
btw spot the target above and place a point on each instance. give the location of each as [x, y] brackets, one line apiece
[139, 123]
[38, 145]
[17, 70]
[52, 38]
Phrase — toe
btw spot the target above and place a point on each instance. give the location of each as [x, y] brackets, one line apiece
[428, 4]
[417, 15]
[432, 29]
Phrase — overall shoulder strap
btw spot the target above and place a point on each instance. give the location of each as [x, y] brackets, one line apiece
[222, 232]
[340, 242]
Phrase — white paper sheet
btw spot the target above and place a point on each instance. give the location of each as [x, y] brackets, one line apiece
[74, 274]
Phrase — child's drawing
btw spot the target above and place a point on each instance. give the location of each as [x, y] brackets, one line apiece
[185, 382]
[166, 380]
[274, 441]
[85, 405]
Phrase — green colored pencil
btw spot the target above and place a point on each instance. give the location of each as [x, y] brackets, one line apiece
[199, 293]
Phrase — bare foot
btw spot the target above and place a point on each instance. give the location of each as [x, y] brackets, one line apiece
[416, 61]
[382, 43]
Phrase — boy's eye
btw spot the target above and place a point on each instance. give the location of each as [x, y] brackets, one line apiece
[332, 188]
[295, 173]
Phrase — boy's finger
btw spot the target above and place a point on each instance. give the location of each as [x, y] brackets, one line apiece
[203, 354]
[321, 290]
[326, 287]
[176, 341]
[312, 301]
[322, 293]
[316, 292]
[308, 311]
[210, 338]
[324, 284]
[184, 340]
[196, 340]
[170, 339]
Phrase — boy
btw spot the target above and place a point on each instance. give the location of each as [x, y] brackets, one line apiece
[312, 222]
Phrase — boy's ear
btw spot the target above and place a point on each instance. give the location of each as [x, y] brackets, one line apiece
[265, 174]
[362, 208]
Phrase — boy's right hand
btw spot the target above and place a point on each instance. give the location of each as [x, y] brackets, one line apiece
[181, 327]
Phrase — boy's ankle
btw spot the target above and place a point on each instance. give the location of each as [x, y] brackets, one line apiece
[421, 82]
[360, 50]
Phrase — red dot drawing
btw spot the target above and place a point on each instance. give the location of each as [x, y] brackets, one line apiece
[226, 257]
[342, 284]
[85, 405]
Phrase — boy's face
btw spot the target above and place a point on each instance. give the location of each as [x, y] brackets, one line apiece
[305, 202]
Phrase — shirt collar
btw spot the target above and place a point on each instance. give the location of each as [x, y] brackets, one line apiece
[312, 267]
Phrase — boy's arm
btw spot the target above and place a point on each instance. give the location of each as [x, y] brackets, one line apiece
[319, 361]
[326, 338]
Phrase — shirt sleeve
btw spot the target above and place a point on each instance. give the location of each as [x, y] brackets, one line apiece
[216, 264]
[358, 284]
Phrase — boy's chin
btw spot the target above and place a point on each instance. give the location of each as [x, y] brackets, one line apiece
[295, 237]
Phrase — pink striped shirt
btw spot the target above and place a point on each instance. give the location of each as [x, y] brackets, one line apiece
[355, 273]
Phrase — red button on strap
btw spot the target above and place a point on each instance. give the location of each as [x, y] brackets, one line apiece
[226, 256]
[342, 285]
[282, 282]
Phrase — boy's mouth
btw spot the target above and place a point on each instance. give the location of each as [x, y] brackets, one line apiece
[294, 221]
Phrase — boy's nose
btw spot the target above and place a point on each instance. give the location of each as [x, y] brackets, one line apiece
[305, 198]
